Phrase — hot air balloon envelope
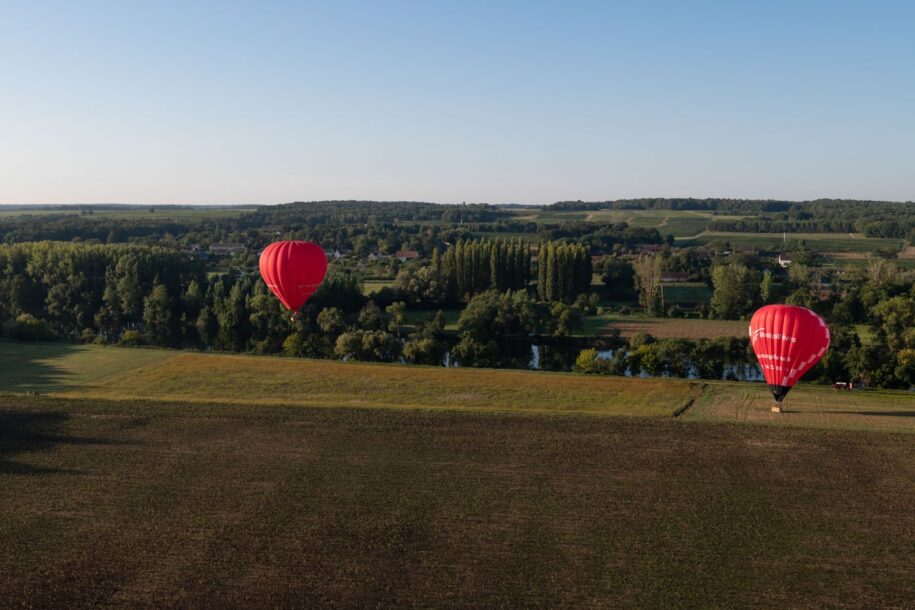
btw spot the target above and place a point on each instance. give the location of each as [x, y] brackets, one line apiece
[293, 270]
[787, 340]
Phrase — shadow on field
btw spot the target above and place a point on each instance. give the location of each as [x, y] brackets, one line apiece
[30, 431]
[30, 367]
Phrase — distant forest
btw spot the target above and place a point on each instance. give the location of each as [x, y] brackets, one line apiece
[873, 218]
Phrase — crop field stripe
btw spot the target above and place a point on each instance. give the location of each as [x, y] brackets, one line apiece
[820, 242]
[676, 328]
[142, 374]
[118, 373]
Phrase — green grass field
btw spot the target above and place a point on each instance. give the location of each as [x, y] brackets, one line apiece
[807, 405]
[687, 293]
[370, 287]
[556, 216]
[53, 367]
[860, 260]
[128, 374]
[416, 316]
[815, 242]
[679, 223]
[601, 325]
[109, 373]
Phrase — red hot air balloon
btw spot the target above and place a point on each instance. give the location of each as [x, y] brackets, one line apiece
[788, 340]
[293, 270]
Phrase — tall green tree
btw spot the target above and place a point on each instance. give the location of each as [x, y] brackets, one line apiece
[766, 287]
[895, 322]
[736, 291]
[232, 315]
[157, 315]
[648, 280]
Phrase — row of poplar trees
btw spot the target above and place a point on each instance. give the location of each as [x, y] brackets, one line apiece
[471, 267]
[563, 271]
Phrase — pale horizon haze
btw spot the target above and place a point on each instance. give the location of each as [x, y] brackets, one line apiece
[500, 102]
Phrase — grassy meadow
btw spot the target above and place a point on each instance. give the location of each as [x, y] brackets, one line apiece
[370, 287]
[114, 374]
[679, 223]
[677, 328]
[129, 374]
[417, 316]
[815, 242]
[690, 227]
[56, 367]
[806, 405]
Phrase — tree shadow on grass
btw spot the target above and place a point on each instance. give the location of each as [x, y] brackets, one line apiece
[31, 431]
[30, 367]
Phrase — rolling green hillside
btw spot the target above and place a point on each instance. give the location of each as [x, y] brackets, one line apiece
[87, 371]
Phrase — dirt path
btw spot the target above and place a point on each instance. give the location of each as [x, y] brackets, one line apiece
[696, 236]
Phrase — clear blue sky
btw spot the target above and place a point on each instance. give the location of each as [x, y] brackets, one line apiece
[265, 102]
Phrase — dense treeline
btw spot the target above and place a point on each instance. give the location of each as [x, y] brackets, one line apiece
[95, 288]
[771, 225]
[387, 227]
[471, 267]
[563, 271]
[138, 295]
[68, 227]
[749, 206]
[372, 212]
[144, 294]
[603, 237]
[387, 230]
[468, 268]
[147, 295]
[681, 203]
[464, 269]
[847, 358]
[880, 296]
[871, 228]
[717, 358]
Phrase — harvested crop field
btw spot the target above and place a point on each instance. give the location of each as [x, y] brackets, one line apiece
[665, 327]
[139, 504]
